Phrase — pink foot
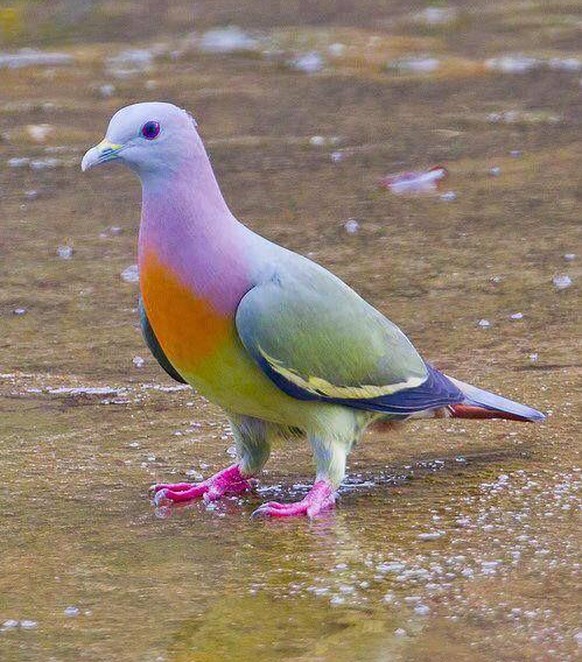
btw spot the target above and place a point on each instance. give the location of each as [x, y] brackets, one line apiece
[319, 498]
[227, 481]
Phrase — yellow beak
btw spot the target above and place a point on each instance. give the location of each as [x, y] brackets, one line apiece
[101, 153]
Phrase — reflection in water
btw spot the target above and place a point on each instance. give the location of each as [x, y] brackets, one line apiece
[411, 548]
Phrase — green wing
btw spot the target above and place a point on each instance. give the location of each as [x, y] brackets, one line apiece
[316, 338]
[154, 345]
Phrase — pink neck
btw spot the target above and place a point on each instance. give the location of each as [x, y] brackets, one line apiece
[187, 224]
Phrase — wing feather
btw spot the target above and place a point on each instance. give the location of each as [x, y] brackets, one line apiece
[318, 340]
[155, 347]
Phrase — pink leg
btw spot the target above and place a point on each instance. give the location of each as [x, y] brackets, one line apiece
[319, 498]
[227, 481]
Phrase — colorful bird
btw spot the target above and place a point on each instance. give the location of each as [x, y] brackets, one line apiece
[281, 344]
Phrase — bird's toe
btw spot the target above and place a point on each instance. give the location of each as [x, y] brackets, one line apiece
[160, 498]
[174, 487]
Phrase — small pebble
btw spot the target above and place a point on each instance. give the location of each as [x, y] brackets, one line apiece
[484, 324]
[351, 226]
[416, 65]
[224, 40]
[394, 566]
[415, 182]
[569, 257]
[422, 610]
[435, 535]
[495, 171]
[72, 611]
[336, 49]
[28, 625]
[19, 311]
[516, 316]
[412, 599]
[10, 624]
[131, 274]
[399, 632]
[138, 361]
[437, 15]
[39, 132]
[561, 282]
[308, 63]
[449, 196]
[45, 164]
[107, 90]
[317, 141]
[65, 252]
[18, 162]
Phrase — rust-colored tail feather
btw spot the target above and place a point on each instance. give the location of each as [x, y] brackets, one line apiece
[472, 411]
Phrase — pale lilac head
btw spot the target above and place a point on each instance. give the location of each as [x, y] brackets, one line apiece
[148, 137]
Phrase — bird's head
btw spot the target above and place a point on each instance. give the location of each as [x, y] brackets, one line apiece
[147, 137]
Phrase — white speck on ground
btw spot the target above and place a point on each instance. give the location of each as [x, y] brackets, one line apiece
[308, 63]
[72, 611]
[231, 39]
[351, 226]
[130, 274]
[562, 281]
[65, 252]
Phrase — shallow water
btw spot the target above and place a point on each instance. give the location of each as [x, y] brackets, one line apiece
[457, 540]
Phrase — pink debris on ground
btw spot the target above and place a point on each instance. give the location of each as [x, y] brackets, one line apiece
[415, 182]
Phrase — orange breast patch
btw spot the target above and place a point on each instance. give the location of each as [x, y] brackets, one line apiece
[187, 327]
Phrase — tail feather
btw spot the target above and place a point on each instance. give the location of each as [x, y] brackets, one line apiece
[483, 404]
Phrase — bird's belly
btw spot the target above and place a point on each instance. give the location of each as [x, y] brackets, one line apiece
[231, 379]
[203, 346]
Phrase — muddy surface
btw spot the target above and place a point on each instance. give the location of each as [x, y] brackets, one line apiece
[452, 540]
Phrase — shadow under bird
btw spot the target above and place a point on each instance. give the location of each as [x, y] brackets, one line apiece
[280, 343]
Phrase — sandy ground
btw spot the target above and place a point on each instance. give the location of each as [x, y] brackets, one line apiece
[452, 540]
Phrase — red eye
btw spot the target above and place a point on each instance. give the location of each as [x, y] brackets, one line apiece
[150, 130]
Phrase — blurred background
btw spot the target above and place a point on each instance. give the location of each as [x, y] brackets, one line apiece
[304, 107]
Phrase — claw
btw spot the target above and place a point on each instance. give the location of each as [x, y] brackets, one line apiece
[320, 497]
[227, 481]
[175, 487]
[159, 497]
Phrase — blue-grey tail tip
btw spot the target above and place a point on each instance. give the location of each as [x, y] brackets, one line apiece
[536, 416]
[480, 398]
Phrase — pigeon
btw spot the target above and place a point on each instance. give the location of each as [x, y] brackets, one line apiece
[282, 345]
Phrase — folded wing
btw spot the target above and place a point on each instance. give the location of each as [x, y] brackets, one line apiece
[316, 339]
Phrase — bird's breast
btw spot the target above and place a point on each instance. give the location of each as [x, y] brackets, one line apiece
[188, 326]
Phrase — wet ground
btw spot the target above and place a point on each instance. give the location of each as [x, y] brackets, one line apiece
[452, 540]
